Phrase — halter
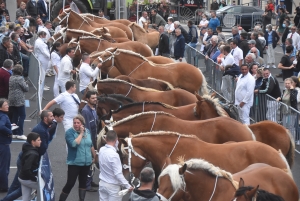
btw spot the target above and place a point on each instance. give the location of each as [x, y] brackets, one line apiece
[136, 68]
[129, 93]
[61, 20]
[112, 57]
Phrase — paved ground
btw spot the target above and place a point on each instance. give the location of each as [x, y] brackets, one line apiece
[57, 151]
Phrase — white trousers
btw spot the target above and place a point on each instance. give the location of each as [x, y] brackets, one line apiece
[68, 123]
[109, 192]
[270, 53]
[27, 186]
[226, 87]
[62, 85]
[55, 87]
[244, 113]
[272, 108]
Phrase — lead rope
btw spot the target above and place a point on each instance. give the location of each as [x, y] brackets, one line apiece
[128, 91]
[153, 122]
[172, 151]
[214, 189]
[136, 68]
[98, 45]
[81, 24]
[143, 106]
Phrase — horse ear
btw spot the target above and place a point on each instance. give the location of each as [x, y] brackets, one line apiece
[130, 135]
[182, 169]
[168, 161]
[213, 95]
[123, 141]
[241, 183]
[198, 96]
[253, 193]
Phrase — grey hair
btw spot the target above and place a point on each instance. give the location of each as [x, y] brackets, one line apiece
[2, 29]
[269, 26]
[147, 175]
[221, 47]
[8, 63]
[252, 56]
[215, 38]
[177, 23]
[179, 30]
[235, 28]
[17, 69]
[80, 118]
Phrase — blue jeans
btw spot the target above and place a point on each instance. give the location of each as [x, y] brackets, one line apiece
[15, 190]
[18, 118]
[25, 61]
[4, 165]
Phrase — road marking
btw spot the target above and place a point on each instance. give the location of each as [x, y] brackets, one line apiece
[297, 151]
[13, 167]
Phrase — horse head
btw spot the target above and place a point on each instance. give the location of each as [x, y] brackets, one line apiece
[245, 193]
[62, 18]
[106, 58]
[75, 43]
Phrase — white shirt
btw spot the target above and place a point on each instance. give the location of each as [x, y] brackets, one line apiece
[57, 29]
[244, 90]
[42, 28]
[111, 167]
[204, 39]
[227, 60]
[237, 55]
[64, 73]
[169, 27]
[296, 39]
[141, 20]
[41, 50]
[204, 22]
[85, 75]
[55, 60]
[68, 104]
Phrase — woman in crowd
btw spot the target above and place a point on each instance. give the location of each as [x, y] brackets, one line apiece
[286, 26]
[296, 85]
[267, 16]
[281, 18]
[5, 141]
[297, 16]
[11, 55]
[55, 62]
[80, 156]
[16, 98]
[271, 38]
[203, 25]
[257, 74]
[30, 160]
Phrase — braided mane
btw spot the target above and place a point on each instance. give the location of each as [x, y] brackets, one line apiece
[215, 103]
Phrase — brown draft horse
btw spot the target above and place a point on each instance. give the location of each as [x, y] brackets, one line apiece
[218, 130]
[176, 97]
[72, 20]
[233, 157]
[157, 84]
[139, 34]
[102, 20]
[197, 179]
[134, 65]
[113, 72]
[146, 27]
[267, 132]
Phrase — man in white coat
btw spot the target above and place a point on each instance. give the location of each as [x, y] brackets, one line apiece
[66, 69]
[42, 53]
[244, 93]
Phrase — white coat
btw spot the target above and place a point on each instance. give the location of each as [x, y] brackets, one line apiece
[244, 91]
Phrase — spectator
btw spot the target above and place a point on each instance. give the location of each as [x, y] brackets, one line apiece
[45, 29]
[221, 36]
[133, 9]
[257, 74]
[30, 160]
[286, 31]
[43, 55]
[24, 36]
[244, 94]
[228, 58]
[3, 7]
[144, 192]
[261, 38]
[66, 69]
[12, 55]
[243, 45]
[58, 115]
[289, 42]
[11, 27]
[258, 45]
[286, 65]
[143, 19]
[214, 22]
[169, 27]
[222, 4]
[20, 22]
[221, 55]
[163, 46]
[183, 31]
[86, 73]
[69, 102]
[4, 78]
[80, 156]
[4, 54]
[236, 52]
[212, 47]
[271, 41]
[297, 16]
[5, 141]
[21, 11]
[2, 18]
[32, 9]
[43, 10]
[281, 18]
[258, 60]
[101, 14]
[218, 54]
[91, 118]
[39, 23]
[214, 5]
[16, 98]
[2, 33]
[295, 36]
[250, 59]
[193, 34]
[235, 34]
[267, 16]
[55, 63]
[111, 176]
[206, 40]
[179, 45]
[7, 17]
[203, 25]
[251, 44]
[157, 20]
[296, 86]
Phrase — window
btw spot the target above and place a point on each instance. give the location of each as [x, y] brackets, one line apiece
[248, 10]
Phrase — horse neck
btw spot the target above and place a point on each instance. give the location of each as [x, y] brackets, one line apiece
[132, 62]
[113, 88]
[89, 45]
[77, 22]
[109, 105]
[206, 111]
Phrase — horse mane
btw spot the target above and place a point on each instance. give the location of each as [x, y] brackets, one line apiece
[71, 11]
[195, 164]
[104, 98]
[120, 96]
[215, 103]
[170, 86]
[137, 26]
[146, 103]
[91, 37]
[91, 15]
[124, 82]
[160, 133]
[262, 195]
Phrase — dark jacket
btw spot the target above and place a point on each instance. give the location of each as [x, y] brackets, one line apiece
[285, 34]
[293, 98]
[259, 46]
[193, 34]
[42, 130]
[52, 130]
[211, 50]
[29, 162]
[32, 8]
[234, 71]
[214, 6]
[243, 45]
[4, 83]
[236, 37]
[275, 39]
[5, 129]
[41, 8]
[90, 122]
[179, 46]
[5, 55]
[271, 87]
[163, 46]
[143, 195]
[184, 33]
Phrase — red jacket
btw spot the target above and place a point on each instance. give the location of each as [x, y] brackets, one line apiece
[4, 83]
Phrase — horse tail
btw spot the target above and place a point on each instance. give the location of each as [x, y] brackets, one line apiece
[203, 89]
[291, 153]
[288, 169]
[252, 134]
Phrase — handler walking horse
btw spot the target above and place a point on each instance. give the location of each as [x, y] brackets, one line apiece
[197, 179]
[134, 65]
